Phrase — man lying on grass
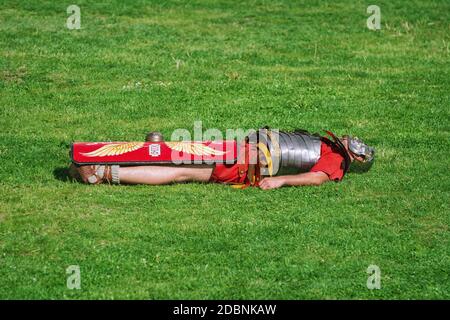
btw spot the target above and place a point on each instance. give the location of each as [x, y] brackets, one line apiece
[268, 160]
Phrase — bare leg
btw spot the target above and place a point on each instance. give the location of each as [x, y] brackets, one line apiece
[163, 174]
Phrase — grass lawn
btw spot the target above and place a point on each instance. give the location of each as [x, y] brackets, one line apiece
[138, 66]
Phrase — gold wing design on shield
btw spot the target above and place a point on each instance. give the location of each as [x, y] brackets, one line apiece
[114, 149]
[197, 148]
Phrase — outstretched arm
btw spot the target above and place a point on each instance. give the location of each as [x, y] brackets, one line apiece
[302, 179]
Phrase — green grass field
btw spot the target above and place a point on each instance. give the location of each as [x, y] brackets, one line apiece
[139, 66]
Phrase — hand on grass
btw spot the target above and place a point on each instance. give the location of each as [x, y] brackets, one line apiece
[271, 183]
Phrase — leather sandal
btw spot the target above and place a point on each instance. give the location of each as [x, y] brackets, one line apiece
[91, 174]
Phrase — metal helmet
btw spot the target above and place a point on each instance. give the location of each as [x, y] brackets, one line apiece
[359, 148]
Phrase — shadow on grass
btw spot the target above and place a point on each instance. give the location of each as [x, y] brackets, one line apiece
[360, 167]
[62, 174]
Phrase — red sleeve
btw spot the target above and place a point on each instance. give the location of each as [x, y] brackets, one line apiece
[330, 162]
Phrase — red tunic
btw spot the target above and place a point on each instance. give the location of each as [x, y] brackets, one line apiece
[227, 173]
[330, 162]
